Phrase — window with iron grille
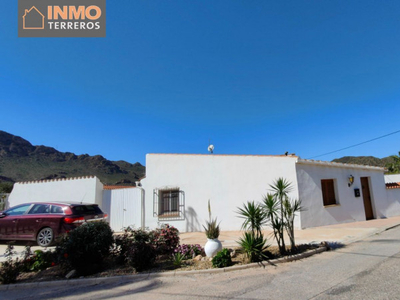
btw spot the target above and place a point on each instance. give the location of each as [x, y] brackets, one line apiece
[328, 192]
[169, 203]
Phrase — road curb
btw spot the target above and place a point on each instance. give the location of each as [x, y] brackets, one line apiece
[135, 277]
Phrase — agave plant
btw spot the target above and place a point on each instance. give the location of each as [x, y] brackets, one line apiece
[212, 229]
[177, 259]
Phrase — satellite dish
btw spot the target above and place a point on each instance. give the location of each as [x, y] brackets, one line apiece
[211, 148]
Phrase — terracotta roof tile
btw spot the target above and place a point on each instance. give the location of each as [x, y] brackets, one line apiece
[116, 187]
[393, 185]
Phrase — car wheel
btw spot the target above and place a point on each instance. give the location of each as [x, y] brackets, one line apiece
[45, 237]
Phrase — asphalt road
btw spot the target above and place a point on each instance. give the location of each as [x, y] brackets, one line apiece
[367, 269]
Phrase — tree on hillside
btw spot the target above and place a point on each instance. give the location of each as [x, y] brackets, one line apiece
[394, 166]
[6, 187]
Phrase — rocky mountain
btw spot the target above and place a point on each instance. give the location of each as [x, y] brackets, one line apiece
[22, 161]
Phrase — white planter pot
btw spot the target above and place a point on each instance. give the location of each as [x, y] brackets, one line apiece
[212, 247]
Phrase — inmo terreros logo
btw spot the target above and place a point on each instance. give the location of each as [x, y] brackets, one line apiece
[62, 18]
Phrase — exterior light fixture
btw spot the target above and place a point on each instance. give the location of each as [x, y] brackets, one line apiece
[351, 180]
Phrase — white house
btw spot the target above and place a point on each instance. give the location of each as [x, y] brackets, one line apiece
[178, 187]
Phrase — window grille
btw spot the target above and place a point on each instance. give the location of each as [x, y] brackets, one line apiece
[169, 204]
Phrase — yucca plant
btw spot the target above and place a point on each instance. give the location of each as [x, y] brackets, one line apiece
[253, 246]
[272, 210]
[281, 188]
[254, 217]
[290, 210]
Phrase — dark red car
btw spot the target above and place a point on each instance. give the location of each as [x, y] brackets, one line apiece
[43, 222]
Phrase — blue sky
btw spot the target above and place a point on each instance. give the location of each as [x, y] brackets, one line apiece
[255, 77]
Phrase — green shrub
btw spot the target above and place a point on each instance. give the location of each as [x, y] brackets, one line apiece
[9, 269]
[38, 260]
[85, 247]
[254, 247]
[136, 248]
[122, 243]
[139, 248]
[141, 255]
[222, 259]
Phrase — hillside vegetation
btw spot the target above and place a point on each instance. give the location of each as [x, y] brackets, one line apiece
[365, 160]
[21, 161]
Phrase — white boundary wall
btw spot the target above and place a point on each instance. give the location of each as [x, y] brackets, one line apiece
[87, 189]
[123, 207]
[227, 181]
[392, 178]
[393, 196]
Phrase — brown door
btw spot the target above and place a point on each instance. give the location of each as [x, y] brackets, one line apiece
[369, 214]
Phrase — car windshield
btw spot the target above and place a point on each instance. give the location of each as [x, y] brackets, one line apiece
[18, 210]
[86, 210]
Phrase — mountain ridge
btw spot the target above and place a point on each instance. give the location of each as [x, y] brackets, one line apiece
[22, 161]
[365, 160]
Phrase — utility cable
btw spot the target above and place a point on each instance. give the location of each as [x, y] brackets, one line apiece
[374, 139]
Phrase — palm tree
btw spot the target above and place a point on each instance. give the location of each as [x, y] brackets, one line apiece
[281, 188]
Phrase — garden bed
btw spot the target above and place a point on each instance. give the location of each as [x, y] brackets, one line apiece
[162, 265]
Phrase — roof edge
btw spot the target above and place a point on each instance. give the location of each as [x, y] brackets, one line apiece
[393, 185]
[338, 165]
[58, 179]
[213, 154]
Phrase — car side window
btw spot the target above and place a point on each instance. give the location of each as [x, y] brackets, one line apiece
[17, 211]
[56, 209]
[40, 209]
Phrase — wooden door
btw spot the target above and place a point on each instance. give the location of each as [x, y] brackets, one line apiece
[369, 213]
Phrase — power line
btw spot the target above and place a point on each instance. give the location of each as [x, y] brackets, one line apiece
[356, 144]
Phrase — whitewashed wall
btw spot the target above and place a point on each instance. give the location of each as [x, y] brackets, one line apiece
[393, 196]
[79, 189]
[392, 178]
[123, 207]
[227, 181]
[350, 208]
